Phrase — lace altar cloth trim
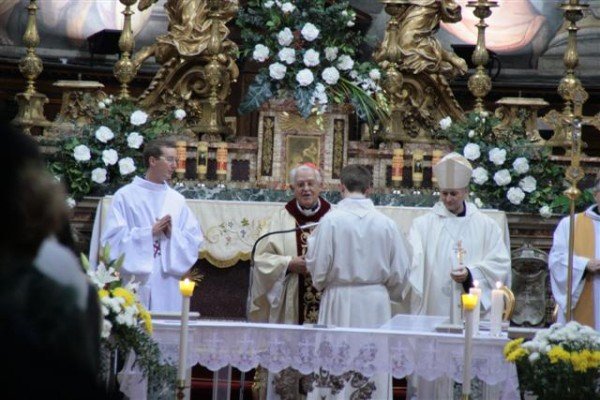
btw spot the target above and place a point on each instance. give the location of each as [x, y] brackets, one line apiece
[215, 344]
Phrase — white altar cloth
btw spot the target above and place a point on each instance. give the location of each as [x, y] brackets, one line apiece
[431, 355]
[231, 227]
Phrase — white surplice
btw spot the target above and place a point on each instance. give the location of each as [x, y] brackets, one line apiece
[128, 230]
[434, 238]
[557, 263]
[359, 258]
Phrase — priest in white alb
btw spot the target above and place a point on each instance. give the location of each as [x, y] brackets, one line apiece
[152, 226]
[585, 300]
[453, 245]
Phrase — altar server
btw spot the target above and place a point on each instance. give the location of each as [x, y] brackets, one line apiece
[585, 301]
[453, 229]
[151, 224]
[359, 259]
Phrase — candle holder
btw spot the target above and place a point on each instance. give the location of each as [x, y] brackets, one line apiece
[201, 161]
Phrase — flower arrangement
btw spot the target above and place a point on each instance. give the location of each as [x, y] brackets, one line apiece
[561, 362]
[107, 153]
[126, 324]
[509, 173]
[307, 50]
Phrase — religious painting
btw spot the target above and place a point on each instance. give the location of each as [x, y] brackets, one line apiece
[301, 149]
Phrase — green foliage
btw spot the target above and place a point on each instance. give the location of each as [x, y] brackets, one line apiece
[509, 172]
[84, 160]
[261, 22]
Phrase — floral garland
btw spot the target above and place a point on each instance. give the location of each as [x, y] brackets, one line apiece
[509, 173]
[104, 155]
[562, 362]
[307, 50]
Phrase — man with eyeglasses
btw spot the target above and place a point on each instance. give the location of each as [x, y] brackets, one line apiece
[282, 290]
[153, 227]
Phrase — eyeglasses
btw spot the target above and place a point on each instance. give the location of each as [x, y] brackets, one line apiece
[169, 160]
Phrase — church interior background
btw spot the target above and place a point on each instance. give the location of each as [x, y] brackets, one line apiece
[246, 158]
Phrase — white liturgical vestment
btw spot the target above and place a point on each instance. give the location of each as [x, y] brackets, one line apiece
[359, 258]
[156, 262]
[557, 263]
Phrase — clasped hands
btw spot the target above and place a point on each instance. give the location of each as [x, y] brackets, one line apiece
[297, 265]
[162, 225]
[459, 275]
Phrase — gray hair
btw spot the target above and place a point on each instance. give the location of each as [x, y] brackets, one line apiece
[303, 167]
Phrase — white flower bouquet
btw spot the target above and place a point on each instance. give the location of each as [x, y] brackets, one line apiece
[106, 154]
[561, 362]
[308, 51]
[508, 172]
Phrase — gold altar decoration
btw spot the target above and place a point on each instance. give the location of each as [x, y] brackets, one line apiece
[79, 102]
[124, 69]
[418, 69]
[197, 64]
[512, 108]
[31, 103]
[480, 83]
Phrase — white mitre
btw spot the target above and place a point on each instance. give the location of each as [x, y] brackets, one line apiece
[453, 171]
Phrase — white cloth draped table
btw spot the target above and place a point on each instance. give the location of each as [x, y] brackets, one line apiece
[231, 227]
[216, 344]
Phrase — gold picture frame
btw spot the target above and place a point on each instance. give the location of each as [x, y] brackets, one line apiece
[301, 149]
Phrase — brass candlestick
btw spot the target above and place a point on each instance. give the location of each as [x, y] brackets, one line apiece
[125, 69]
[31, 103]
[480, 83]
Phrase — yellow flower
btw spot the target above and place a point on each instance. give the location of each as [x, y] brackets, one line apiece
[517, 354]
[557, 353]
[125, 294]
[102, 293]
[146, 318]
[512, 346]
[580, 360]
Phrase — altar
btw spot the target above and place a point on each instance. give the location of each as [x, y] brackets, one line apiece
[307, 348]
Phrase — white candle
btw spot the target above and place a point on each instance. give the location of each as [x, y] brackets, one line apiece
[183, 339]
[496, 311]
[468, 310]
[476, 313]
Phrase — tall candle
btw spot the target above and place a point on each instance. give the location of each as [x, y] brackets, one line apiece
[469, 302]
[417, 168]
[475, 290]
[186, 287]
[496, 310]
[436, 156]
[222, 160]
[397, 166]
[202, 159]
[181, 148]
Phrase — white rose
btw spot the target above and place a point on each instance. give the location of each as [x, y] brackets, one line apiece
[108, 101]
[350, 23]
[533, 357]
[135, 140]
[287, 7]
[480, 175]
[471, 133]
[345, 62]
[528, 184]
[311, 58]
[478, 202]
[330, 75]
[502, 177]
[110, 157]
[277, 71]
[375, 74]
[309, 32]
[497, 156]
[104, 134]
[353, 74]
[287, 55]
[284, 37]
[305, 77]
[126, 166]
[515, 195]
[99, 175]
[71, 203]
[101, 105]
[445, 123]
[472, 151]
[180, 114]
[82, 153]
[268, 4]
[319, 97]
[521, 165]
[138, 118]
[331, 53]
[260, 53]
[545, 211]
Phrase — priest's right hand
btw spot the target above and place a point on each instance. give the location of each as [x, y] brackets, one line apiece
[593, 266]
[162, 225]
[297, 265]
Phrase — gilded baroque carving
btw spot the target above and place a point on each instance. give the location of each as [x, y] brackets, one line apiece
[338, 148]
[267, 146]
